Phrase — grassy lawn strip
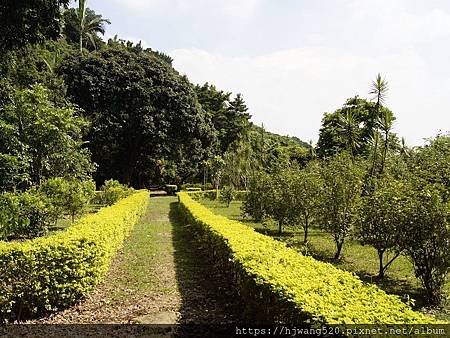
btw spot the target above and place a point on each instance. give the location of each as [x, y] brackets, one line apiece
[359, 259]
[146, 255]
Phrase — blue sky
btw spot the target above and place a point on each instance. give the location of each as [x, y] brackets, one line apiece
[294, 59]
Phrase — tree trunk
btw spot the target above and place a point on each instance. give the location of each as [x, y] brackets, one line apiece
[381, 267]
[280, 228]
[338, 250]
[305, 239]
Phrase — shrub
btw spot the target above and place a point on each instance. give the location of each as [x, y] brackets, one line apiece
[69, 196]
[25, 215]
[340, 198]
[227, 195]
[50, 273]
[112, 191]
[279, 284]
[257, 203]
[426, 239]
[381, 220]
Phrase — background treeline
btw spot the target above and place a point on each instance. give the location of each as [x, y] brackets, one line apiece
[362, 182]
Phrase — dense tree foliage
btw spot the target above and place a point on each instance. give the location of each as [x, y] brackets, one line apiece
[26, 22]
[39, 140]
[350, 128]
[141, 111]
[229, 116]
[340, 198]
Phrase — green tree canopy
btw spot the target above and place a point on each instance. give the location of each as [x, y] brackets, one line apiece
[350, 128]
[142, 112]
[229, 116]
[26, 22]
[39, 140]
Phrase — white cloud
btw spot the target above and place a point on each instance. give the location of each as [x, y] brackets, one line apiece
[290, 89]
[233, 8]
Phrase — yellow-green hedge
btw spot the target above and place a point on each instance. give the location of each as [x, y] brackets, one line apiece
[50, 273]
[291, 287]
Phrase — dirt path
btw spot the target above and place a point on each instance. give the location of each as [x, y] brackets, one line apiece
[161, 276]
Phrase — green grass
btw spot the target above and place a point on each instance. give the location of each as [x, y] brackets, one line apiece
[146, 254]
[361, 260]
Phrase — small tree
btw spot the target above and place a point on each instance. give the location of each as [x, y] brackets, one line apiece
[257, 200]
[306, 189]
[216, 165]
[68, 195]
[340, 198]
[281, 198]
[227, 195]
[427, 239]
[381, 219]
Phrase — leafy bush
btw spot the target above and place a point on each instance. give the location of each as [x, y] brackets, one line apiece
[257, 201]
[227, 195]
[69, 196]
[383, 217]
[280, 284]
[112, 191]
[340, 198]
[50, 273]
[25, 215]
[426, 239]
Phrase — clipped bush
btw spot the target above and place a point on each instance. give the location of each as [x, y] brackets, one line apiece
[193, 189]
[281, 285]
[112, 191]
[50, 273]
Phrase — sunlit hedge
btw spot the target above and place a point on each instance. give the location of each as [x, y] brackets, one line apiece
[280, 284]
[49, 273]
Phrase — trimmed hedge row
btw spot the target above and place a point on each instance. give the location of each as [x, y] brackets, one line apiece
[282, 285]
[49, 273]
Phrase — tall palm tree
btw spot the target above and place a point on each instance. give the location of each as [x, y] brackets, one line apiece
[386, 123]
[379, 89]
[89, 24]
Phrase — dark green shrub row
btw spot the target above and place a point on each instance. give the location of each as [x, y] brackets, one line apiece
[281, 285]
[50, 273]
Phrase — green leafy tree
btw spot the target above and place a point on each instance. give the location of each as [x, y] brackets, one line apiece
[350, 128]
[29, 22]
[432, 164]
[227, 195]
[69, 196]
[229, 116]
[306, 186]
[24, 215]
[382, 219]
[427, 239]
[141, 111]
[39, 140]
[340, 198]
[257, 200]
